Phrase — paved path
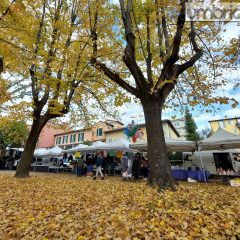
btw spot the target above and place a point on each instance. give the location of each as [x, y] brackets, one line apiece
[12, 172]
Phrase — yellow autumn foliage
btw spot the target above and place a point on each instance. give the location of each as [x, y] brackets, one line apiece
[59, 206]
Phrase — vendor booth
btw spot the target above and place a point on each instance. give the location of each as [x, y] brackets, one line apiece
[176, 145]
[179, 145]
[221, 139]
[78, 148]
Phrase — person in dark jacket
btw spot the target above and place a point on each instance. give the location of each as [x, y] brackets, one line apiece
[80, 164]
[89, 162]
[99, 164]
[136, 166]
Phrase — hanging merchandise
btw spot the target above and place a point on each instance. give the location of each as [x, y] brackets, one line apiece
[133, 131]
[111, 153]
[119, 154]
[77, 155]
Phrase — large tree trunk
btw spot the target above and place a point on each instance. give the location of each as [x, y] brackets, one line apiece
[24, 165]
[160, 170]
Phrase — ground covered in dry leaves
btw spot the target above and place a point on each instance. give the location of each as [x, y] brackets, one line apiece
[62, 206]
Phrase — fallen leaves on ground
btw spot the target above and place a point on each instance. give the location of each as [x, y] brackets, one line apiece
[66, 207]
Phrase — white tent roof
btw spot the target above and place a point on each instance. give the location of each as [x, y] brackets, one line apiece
[55, 151]
[119, 144]
[40, 152]
[221, 139]
[79, 147]
[98, 145]
[177, 145]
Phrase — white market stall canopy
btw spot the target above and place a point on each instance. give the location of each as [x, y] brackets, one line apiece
[79, 147]
[98, 145]
[40, 152]
[55, 151]
[176, 145]
[118, 145]
[220, 140]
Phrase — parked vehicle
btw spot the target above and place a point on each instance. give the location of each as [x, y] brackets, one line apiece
[10, 158]
[213, 160]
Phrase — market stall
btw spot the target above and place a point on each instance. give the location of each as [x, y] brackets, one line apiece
[55, 151]
[176, 145]
[220, 140]
[79, 147]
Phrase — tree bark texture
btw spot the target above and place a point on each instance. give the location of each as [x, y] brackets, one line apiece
[24, 165]
[160, 170]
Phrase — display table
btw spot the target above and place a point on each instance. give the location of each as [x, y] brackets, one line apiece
[225, 178]
[201, 176]
[39, 168]
[59, 169]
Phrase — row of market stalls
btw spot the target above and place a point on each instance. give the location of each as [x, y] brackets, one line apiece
[219, 155]
[42, 152]
[220, 140]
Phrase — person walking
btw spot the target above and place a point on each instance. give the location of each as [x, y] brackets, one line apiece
[124, 162]
[99, 164]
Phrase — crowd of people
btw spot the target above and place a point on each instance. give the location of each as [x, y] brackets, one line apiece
[93, 165]
[130, 166]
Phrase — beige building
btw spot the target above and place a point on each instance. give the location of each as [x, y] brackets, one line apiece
[231, 125]
[179, 124]
[168, 128]
[71, 139]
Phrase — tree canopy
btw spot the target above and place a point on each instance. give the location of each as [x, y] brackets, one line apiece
[12, 133]
[152, 52]
[145, 47]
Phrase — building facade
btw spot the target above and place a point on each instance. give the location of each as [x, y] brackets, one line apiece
[71, 139]
[46, 138]
[231, 125]
[179, 124]
[168, 128]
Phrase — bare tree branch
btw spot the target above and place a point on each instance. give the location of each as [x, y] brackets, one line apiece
[32, 70]
[173, 58]
[160, 33]
[149, 57]
[129, 57]
[164, 27]
[115, 77]
[1, 65]
[198, 51]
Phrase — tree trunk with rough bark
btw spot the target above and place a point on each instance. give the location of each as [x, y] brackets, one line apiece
[24, 165]
[160, 170]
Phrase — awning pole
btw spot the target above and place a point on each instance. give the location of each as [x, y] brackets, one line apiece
[205, 179]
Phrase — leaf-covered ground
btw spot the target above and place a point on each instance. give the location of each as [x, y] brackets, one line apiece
[62, 206]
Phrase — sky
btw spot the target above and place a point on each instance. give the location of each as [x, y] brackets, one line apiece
[133, 111]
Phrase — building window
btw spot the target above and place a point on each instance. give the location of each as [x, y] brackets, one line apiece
[230, 122]
[80, 137]
[65, 139]
[58, 140]
[222, 124]
[99, 132]
[72, 138]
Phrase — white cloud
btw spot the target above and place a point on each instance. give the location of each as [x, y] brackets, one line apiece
[206, 117]
[235, 112]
